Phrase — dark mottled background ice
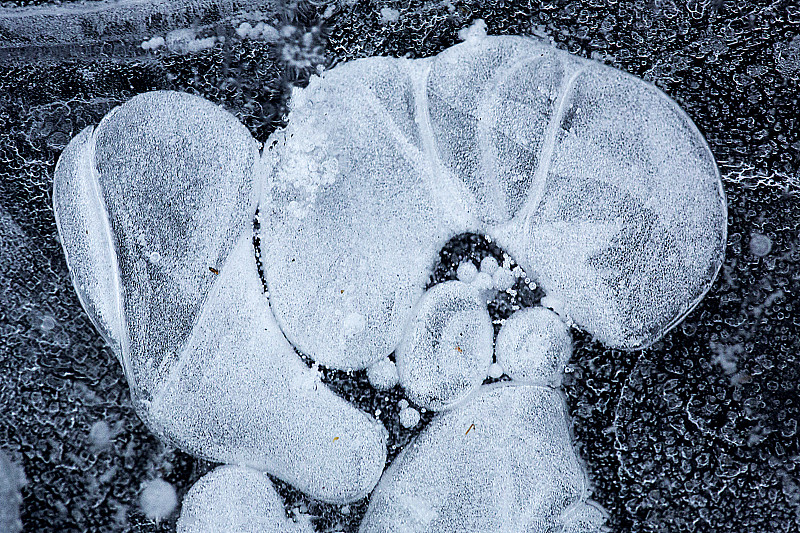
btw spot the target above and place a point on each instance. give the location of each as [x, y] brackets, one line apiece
[698, 433]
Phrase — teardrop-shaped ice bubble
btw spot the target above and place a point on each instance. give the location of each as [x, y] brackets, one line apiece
[447, 349]
[533, 346]
[503, 462]
[154, 211]
[234, 499]
[142, 183]
[595, 181]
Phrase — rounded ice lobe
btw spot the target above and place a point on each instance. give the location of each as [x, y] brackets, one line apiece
[234, 499]
[158, 499]
[597, 184]
[209, 370]
[383, 374]
[533, 346]
[502, 461]
[446, 351]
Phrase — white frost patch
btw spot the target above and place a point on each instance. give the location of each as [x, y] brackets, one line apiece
[447, 349]
[466, 271]
[185, 41]
[261, 30]
[533, 346]
[233, 499]
[100, 435]
[152, 44]
[474, 32]
[503, 462]
[158, 500]
[409, 417]
[389, 15]
[383, 374]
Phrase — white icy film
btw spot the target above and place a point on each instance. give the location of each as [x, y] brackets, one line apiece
[447, 349]
[533, 346]
[171, 179]
[502, 461]
[594, 181]
[233, 499]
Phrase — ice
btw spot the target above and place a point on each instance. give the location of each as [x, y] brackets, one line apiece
[208, 367]
[409, 417]
[587, 518]
[594, 181]
[142, 182]
[503, 279]
[243, 396]
[351, 225]
[389, 15]
[158, 499]
[10, 498]
[234, 499]
[495, 371]
[466, 271]
[100, 436]
[760, 244]
[533, 346]
[501, 462]
[383, 374]
[489, 265]
[597, 184]
[446, 351]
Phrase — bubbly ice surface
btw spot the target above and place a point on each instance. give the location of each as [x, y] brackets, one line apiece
[596, 183]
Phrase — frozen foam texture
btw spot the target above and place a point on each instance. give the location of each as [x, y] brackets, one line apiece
[503, 461]
[446, 351]
[533, 346]
[233, 499]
